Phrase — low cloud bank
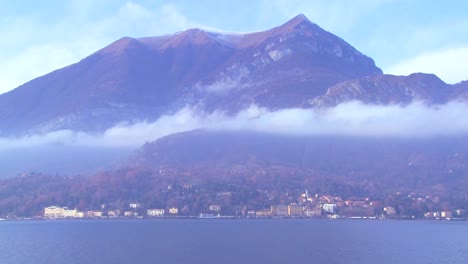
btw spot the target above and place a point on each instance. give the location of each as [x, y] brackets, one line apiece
[352, 119]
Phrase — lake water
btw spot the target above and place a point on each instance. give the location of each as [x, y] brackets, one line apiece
[233, 241]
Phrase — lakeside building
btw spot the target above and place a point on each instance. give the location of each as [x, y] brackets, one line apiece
[134, 205]
[390, 210]
[329, 208]
[446, 214]
[128, 213]
[295, 210]
[279, 210]
[313, 212]
[69, 213]
[155, 212]
[214, 207]
[251, 214]
[459, 212]
[53, 212]
[56, 212]
[113, 213]
[431, 215]
[264, 213]
[173, 210]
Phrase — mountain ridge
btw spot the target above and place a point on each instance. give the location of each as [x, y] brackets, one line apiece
[141, 79]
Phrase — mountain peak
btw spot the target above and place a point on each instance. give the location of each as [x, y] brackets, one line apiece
[120, 45]
[299, 20]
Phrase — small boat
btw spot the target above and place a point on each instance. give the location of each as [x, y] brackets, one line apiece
[208, 216]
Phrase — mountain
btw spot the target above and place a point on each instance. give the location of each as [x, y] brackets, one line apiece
[462, 90]
[377, 165]
[389, 89]
[141, 79]
[295, 65]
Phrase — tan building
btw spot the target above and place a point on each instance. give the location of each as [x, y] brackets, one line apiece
[446, 214]
[69, 213]
[79, 214]
[265, 213]
[173, 210]
[53, 212]
[295, 210]
[279, 210]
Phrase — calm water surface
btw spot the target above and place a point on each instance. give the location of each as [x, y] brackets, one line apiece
[233, 241]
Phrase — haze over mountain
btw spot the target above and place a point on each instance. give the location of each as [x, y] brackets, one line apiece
[377, 164]
[295, 79]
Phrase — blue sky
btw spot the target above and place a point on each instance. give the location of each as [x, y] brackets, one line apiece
[403, 36]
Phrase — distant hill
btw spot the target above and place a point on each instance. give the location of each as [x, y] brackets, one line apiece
[192, 170]
[429, 165]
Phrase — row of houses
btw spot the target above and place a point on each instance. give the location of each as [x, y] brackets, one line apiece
[292, 210]
[56, 212]
[444, 214]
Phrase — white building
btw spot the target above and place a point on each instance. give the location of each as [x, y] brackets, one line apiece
[329, 208]
[390, 210]
[134, 205]
[313, 212]
[155, 212]
[113, 213]
[215, 207]
[128, 213]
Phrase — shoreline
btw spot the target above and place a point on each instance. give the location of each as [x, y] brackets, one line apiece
[192, 218]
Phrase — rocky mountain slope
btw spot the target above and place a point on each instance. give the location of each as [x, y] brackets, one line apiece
[389, 89]
[140, 79]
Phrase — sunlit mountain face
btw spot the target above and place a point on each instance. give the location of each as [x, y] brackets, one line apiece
[133, 80]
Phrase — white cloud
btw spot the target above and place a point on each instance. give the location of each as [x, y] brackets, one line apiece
[352, 119]
[355, 119]
[31, 48]
[450, 64]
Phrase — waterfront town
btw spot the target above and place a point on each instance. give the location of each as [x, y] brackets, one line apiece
[307, 206]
